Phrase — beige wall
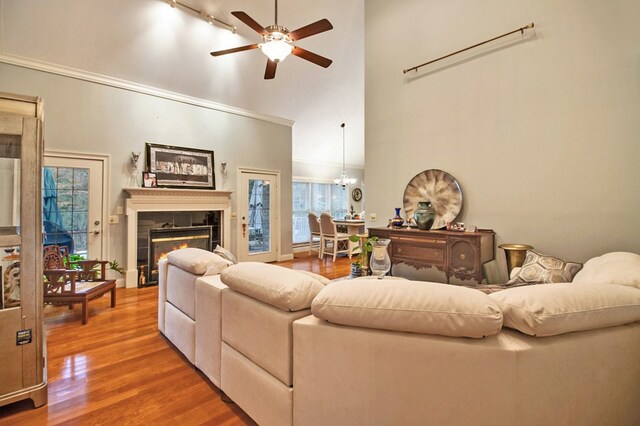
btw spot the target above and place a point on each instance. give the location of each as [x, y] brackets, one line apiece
[542, 133]
[92, 118]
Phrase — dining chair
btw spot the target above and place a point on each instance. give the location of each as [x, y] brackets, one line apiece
[315, 237]
[331, 241]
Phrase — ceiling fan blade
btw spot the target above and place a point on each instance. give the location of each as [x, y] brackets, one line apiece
[311, 29]
[270, 72]
[234, 50]
[311, 57]
[249, 21]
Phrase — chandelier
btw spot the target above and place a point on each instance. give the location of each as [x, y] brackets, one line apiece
[344, 180]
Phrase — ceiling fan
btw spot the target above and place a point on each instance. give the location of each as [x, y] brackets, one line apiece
[277, 42]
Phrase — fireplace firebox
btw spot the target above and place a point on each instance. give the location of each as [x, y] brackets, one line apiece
[161, 232]
[164, 240]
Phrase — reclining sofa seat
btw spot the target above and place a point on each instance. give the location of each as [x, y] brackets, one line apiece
[258, 312]
[383, 357]
[189, 307]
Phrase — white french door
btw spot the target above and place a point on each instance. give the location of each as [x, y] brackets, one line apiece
[78, 185]
[258, 216]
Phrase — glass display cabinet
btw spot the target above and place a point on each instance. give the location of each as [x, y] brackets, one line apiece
[22, 339]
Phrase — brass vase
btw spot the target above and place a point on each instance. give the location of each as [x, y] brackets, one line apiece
[515, 254]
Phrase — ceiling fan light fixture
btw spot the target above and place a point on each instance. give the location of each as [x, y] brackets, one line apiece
[276, 50]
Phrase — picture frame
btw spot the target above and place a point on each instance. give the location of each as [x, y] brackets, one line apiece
[179, 167]
[149, 180]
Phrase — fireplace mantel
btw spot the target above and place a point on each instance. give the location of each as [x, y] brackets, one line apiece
[170, 199]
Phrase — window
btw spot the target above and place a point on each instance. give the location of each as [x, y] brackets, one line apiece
[318, 198]
[65, 207]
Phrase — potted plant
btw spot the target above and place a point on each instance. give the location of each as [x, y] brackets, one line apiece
[356, 269]
[361, 266]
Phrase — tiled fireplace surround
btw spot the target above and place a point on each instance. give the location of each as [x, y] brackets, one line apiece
[171, 200]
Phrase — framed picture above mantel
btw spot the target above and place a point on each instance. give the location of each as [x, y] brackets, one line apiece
[178, 167]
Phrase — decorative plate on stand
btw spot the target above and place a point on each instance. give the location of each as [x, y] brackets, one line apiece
[438, 187]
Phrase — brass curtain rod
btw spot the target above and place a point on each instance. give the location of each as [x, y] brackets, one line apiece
[208, 17]
[521, 29]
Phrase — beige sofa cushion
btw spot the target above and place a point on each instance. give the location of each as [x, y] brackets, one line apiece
[414, 306]
[281, 287]
[611, 268]
[552, 309]
[193, 260]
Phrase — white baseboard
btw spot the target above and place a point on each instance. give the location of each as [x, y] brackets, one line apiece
[284, 257]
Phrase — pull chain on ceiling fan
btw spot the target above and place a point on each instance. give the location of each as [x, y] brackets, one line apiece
[277, 42]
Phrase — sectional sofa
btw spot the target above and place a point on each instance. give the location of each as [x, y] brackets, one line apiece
[290, 349]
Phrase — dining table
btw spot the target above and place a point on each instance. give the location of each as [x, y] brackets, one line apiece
[350, 226]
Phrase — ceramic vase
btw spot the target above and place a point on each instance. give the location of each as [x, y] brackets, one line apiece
[424, 215]
[397, 221]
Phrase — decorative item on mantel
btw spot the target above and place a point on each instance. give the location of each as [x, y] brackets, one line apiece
[397, 221]
[223, 173]
[134, 170]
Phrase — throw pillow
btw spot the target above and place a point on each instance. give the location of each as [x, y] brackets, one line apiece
[221, 251]
[542, 269]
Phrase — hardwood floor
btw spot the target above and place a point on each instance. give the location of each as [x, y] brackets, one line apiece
[118, 369]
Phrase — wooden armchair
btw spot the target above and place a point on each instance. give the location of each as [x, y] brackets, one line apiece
[64, 285]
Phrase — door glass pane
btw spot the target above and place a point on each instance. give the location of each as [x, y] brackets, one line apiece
[65, 207]
[259, 216]
[9, 184]
[9, 277]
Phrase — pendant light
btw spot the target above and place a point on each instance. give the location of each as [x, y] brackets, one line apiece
[344, 180]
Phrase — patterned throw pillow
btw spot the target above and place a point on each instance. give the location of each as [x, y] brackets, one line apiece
[542, 269]
[223, 252]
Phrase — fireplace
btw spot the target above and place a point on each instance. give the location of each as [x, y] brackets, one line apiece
[164, 214]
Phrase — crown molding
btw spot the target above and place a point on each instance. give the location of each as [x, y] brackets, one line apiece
[134, 87]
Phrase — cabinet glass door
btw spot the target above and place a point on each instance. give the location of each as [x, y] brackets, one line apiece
[9, 221]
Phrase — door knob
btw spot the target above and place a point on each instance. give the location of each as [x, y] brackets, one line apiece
[96, 232]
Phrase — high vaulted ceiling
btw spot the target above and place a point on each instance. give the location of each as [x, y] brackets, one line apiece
[148, 42]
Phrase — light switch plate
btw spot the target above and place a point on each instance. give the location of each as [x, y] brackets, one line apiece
[373, 217]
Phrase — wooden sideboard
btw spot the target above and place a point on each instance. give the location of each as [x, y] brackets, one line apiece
[457, 254]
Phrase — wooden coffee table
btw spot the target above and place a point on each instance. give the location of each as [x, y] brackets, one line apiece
[85, 291]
